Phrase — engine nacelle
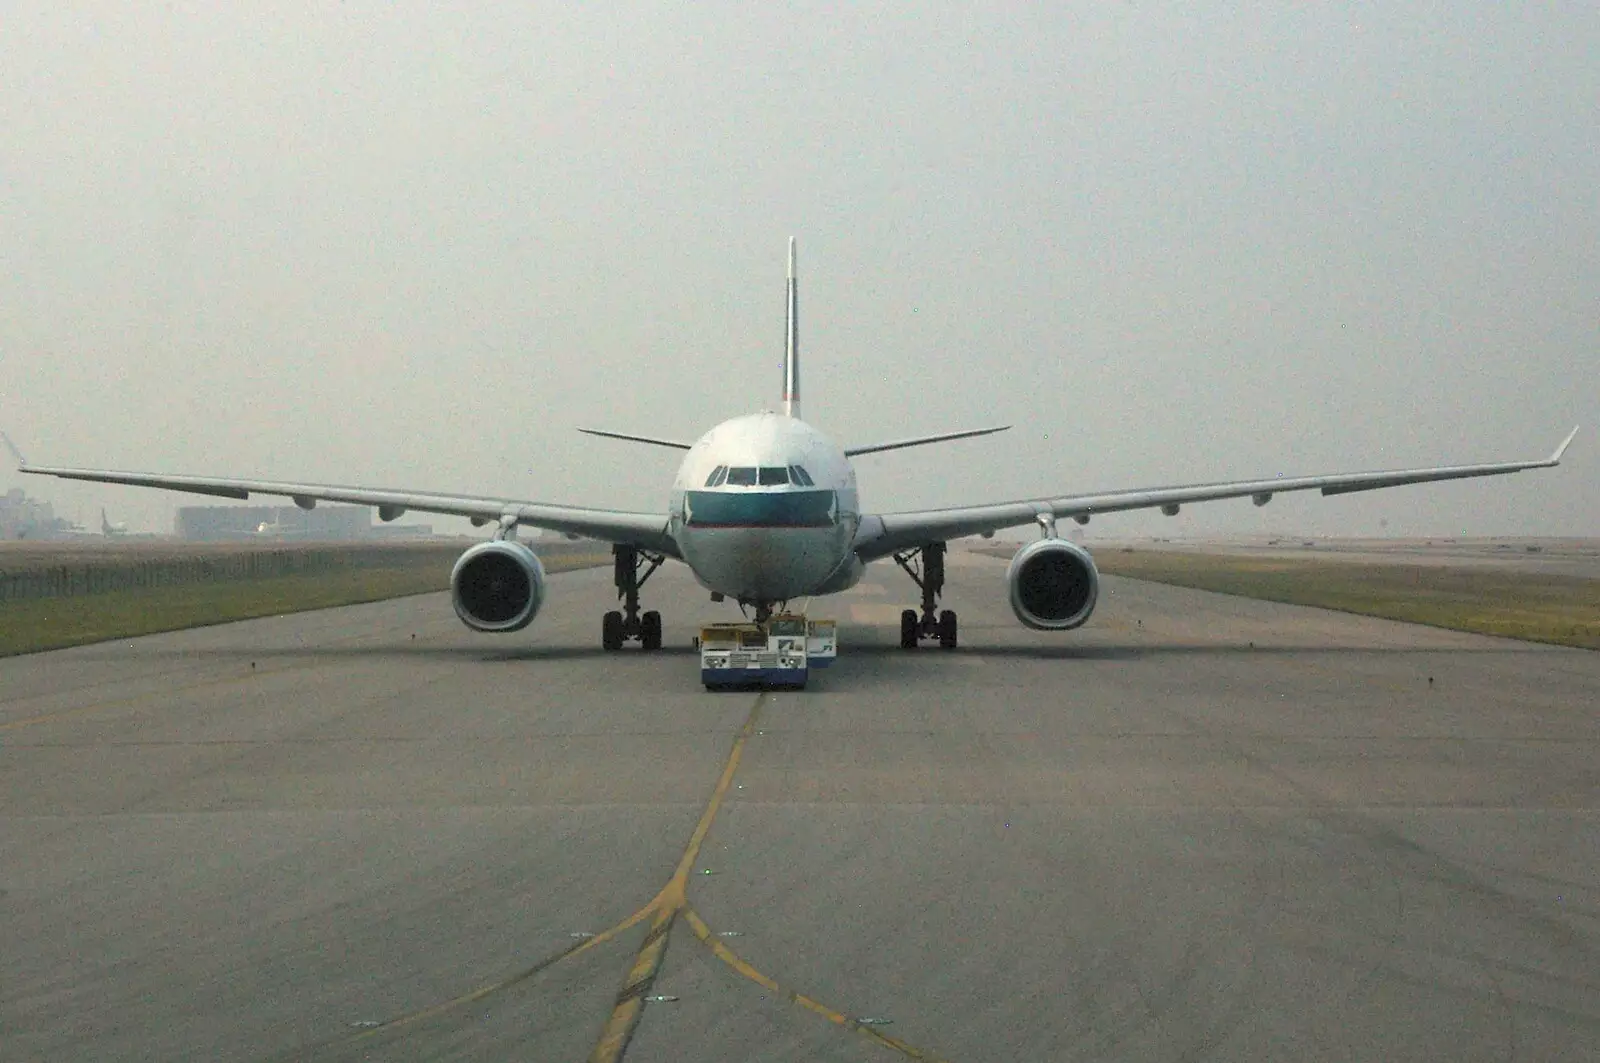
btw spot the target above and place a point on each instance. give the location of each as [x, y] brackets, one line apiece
[497, 586]
[1054, 585]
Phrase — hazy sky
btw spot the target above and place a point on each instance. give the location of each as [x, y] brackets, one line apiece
[404, 245]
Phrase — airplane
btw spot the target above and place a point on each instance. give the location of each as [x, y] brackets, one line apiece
[765, 509]
[272, 529]
[109, 529]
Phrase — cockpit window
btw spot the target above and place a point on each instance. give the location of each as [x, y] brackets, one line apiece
[741, 476]
[799, 475]
[772, 475]
[719, 474]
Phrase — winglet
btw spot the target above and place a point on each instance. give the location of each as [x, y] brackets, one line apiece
[1555, 459]
[22, 462]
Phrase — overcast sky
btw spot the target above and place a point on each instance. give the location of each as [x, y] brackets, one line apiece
[399, 244]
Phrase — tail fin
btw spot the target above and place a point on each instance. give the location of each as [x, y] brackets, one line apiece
[791, 343]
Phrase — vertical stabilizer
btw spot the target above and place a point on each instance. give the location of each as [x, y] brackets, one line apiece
[791, 343]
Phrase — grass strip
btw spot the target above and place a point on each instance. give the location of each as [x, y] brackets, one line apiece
[54, 623]
[1535, 606]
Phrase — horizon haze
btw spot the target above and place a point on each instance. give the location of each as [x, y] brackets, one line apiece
[409, 246]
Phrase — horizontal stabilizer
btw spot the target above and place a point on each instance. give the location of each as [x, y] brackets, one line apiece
[943, 437]
[673, 443]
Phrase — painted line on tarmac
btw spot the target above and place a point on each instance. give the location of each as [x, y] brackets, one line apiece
[722, 952]
[669, 903]
[434, 1010]
[672, 902]
[665, 906]
[663, 910]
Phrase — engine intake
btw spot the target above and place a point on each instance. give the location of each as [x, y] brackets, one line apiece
[1054, 585]
[497, 586]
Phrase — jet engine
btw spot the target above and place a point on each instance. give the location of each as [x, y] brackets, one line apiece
[497, 586]
[1054, 585]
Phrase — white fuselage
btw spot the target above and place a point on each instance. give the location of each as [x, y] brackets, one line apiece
[764, 509]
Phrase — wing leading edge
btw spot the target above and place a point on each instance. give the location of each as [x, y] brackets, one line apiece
[646, 530]
[880, 536]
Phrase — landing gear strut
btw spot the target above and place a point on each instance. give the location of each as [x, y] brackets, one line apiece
[925, 566]
[620, 626]
[763, 610]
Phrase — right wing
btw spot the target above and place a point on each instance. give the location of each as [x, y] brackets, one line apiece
[646, 530]
[880, 536]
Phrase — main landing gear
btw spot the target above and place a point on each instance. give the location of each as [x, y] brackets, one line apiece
[618, 627]
[925, 566]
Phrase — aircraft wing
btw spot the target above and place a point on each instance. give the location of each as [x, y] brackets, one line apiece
[880, 536]
[646, 530]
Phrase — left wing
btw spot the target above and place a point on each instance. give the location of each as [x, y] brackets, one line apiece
[647, 530]
[880, 536]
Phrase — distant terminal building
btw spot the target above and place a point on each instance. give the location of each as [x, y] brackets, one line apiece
[210, 524]
[22, 517]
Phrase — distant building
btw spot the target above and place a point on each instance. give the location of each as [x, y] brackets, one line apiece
[22, 517]
[209, 524]
[212, 524]
[400, 531]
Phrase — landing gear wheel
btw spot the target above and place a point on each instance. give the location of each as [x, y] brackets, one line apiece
[611, 631]
[650, 630]
[925, 566]
[631, 567]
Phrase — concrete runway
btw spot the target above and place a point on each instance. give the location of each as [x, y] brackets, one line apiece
[1203, 827]
[1570, 558]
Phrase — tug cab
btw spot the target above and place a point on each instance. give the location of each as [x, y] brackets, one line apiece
[776, 655]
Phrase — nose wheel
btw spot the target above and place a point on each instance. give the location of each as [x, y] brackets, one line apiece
[632, 567]
[925, 566]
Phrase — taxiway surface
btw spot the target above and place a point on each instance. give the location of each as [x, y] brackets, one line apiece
[1202, 826]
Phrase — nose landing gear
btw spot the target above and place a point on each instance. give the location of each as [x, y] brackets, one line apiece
[619, 626]
[925, 566]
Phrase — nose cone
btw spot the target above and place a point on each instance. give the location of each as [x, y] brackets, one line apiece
[762, 564]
